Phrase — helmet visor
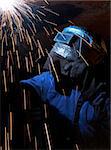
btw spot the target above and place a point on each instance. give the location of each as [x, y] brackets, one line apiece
[63, 37]
[64, 50]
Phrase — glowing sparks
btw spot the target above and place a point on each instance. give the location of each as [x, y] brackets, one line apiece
[24, 96]
[45, 111]
[18, 28]
[5, 138]
[53, 67]
[5, 82]
[31, 60]
[83, 58]
[13, 14]
[6, 5]
[11, 126]
[47, 134]
[36, 146]
[40, 47]
[18, 60]
[17, 22]
[27, 63]
[28, 130]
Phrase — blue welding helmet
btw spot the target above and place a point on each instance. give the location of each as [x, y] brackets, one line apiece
[74, 49]
[73, 40]
[69, 32]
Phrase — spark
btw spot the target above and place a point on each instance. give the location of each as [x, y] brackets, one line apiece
[34, 41]
[28, 130]
[36, 146]
[5, 138]
[63, 92]
[53, 67]
[31, 60]
[41, 13]
[39, 69]
[8, 59]
[52, 32]
[47, 134]
[29, 39]
[11, 74]
[5, 82]
[46, 2]
[50, 22]
[18, 60]
[27, 64]
[83, 58]
[8, 141]
[38, 17]
[11, 126]
[71, 22]
[2, 46]
[49, 10]
[77, 147]
[24, 97]
[40, 47]
[47, 32]
[84, 40]
[11, 56]
[45, 110]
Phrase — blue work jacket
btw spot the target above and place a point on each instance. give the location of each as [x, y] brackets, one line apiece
[44, 85]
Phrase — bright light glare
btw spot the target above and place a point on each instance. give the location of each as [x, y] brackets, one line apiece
[7, 4]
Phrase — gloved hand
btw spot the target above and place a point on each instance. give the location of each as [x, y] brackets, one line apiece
[94, 114]
[75, 69]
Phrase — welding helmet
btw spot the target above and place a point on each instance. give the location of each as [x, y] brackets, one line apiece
[76, 48]
[74, 40]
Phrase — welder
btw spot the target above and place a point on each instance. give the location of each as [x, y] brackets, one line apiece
[72, 82]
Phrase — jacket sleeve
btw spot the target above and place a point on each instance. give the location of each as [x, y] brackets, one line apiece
[38, 83]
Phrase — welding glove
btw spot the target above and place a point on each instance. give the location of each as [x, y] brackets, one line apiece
[75, 69]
